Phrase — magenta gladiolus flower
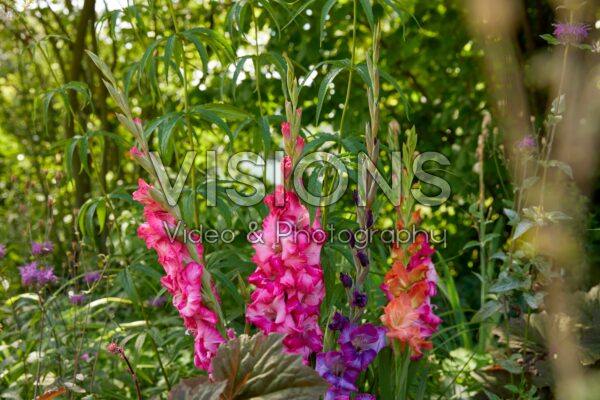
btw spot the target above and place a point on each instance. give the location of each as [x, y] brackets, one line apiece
[183, 278]
[92, 277]
[288, 278]
[571, 33]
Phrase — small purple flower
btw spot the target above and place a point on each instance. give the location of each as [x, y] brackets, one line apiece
[570, 33]
[361, 344]
[157, 301]
[39, 249]
[359, 299]
[2, 251]
[29, 274]
[527, 143]
[346, 280]
[86, 357]
[333, 369]
[365, 396]
[77, 299]
[338, 322]
[92, 277]
[363, 258]
[46, 276]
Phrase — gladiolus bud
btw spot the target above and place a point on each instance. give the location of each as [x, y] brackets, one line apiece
[299, 146]
[286, 167]
[346, 280]
[285, 131]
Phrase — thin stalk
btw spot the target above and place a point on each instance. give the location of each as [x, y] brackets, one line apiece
[188, 121]
[39, 352]
[328, 176]
[257, 73]
[553, 131]
[154, 345]
[352, 61]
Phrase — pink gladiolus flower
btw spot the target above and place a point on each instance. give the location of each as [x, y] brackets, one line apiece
[183, 277]
[288, 278]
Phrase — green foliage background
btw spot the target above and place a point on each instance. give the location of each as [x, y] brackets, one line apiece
[66, 175]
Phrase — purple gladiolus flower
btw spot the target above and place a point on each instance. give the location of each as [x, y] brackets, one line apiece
[346, 280]
[2, 251]
[363, 258]
[77, 299]
[332, 367]
[157, 301]
[359, 299]
[365, 396]
[39, 249]
[29, 274]
[91, 277]
[338, 322]
[370, 219]
[571, 33]
[361, 344]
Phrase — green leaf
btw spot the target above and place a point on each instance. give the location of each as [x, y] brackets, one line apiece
[101, 214]
[199, 388]
[487, 310]
[564, 167]
[324, 12]
[386, 76]
[550, 39]
[265, 132]
[530, 181]
[512, 215]
[506, 283]
[315, 183]
[558, 105]
[471, 243]
[102, 67]
[323, 88]
[168, 54]
[366, 6]
[300, 10]
[258, 368]
[522, 228]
